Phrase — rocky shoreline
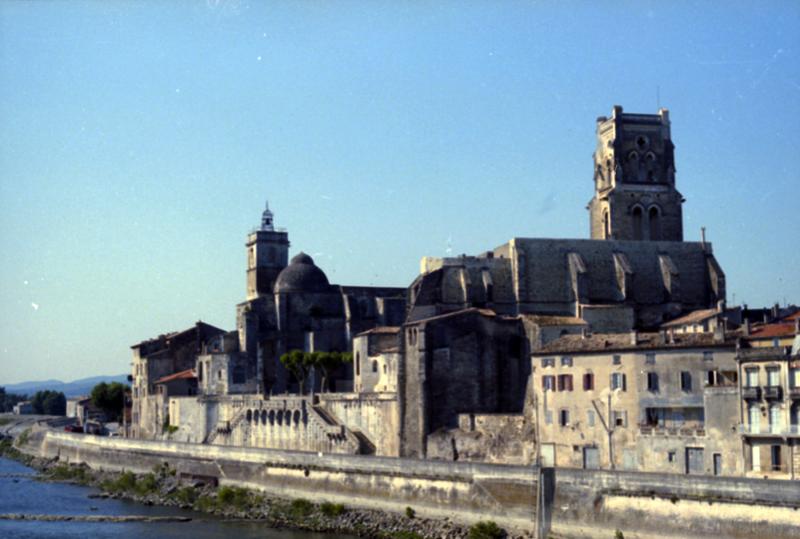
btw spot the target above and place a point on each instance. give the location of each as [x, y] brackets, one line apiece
[162, 487]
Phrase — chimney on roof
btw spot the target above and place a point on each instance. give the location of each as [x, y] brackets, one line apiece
[719, 333]
[746, 327]
[634, 337]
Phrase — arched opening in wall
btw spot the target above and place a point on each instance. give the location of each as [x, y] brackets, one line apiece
[374, 366]
[249, 416]
[358, 364]
[279, 417]
[296, 417]
[655, 224]
[637, 223]
[272, 417]
[606, 225]
[263, 417]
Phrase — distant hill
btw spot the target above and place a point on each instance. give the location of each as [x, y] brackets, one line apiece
[75, 388]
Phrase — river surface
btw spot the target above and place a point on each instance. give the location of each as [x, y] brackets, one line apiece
[21, 493]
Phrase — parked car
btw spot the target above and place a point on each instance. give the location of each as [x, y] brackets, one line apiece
[74, 428]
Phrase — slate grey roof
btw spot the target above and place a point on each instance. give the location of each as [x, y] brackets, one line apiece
[301, 275]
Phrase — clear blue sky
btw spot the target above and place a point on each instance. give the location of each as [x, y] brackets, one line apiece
[138, 142]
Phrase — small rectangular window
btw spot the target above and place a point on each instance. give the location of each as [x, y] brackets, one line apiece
[548, 417]
[619, 418]
[686, 381]
[565, 382]
[588, 381]
[618, 381]
[566, 361]
[563, 418]
[671, 456]
[616, 359]
[548, 362]
[650, 358]
[652, 381]
[590, 418]
[708, 356]
[549, 383]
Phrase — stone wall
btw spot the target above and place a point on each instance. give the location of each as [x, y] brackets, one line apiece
[587, 503]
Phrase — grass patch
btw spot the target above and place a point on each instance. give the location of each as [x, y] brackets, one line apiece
[486, 529]
[5, 421]
[239, 498]
[301, 508]
[65, 472]
[331, 509]
[186, 495]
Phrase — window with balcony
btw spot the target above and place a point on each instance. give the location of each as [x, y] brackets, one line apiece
[775, 418]
[773, 376]
[751, 377]
[754, 417]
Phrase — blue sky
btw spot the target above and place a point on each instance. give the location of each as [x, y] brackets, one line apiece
[138, 142]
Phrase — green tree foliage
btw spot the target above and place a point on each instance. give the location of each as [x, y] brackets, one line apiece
[9, 400]
[486, 529]
[300, 364]
[108, 397]
[49, 403]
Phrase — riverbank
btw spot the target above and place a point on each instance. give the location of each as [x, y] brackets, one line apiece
[162, 487]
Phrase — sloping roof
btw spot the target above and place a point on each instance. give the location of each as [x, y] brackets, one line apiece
[600, 342]
[781, 329]
[182, 375]
[693, 317]
[554, 320]
[483, 312]
[382, 330]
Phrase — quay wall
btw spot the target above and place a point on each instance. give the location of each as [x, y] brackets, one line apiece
[578, 503]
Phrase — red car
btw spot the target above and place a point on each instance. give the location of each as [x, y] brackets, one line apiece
[74, 428]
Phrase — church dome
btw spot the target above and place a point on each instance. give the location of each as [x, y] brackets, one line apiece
[301, 275]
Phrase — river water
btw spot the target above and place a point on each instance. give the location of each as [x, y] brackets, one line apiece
[20, 494]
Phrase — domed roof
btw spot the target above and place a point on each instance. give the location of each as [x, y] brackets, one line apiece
[301, 275]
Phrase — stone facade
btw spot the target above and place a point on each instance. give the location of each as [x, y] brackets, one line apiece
[638, 402]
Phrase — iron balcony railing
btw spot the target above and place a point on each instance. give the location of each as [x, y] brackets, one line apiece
[751, 392]
[773, 392]
[779, 430]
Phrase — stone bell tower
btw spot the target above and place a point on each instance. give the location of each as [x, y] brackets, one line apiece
[267, 255]
[634, 177]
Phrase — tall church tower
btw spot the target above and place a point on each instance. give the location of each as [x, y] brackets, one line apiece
[634, 177]
[267, 255]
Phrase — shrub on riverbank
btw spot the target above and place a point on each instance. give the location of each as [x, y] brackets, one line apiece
[331, 510]
[486, 529]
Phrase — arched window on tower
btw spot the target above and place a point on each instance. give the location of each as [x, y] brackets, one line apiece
[655, 223]
[638, 223]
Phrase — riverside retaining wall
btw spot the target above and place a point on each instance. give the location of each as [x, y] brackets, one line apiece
[585, 503]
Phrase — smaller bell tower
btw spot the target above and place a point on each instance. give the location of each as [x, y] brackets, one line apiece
[634, 179]
[267, 255]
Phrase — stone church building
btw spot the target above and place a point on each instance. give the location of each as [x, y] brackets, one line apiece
[441, 369]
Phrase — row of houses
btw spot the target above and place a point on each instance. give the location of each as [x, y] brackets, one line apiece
[693, 398]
